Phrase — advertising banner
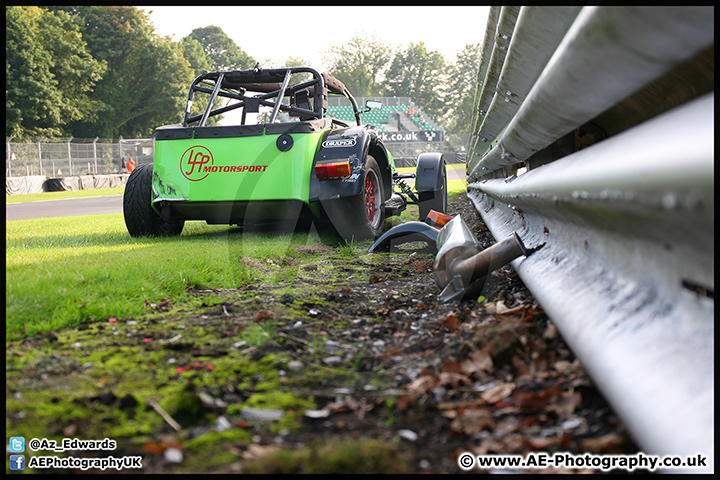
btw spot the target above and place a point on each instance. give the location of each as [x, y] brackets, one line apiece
[414, 136]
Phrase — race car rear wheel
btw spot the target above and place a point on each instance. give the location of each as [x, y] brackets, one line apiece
[140, 218]
[372, 195]
[362, 216]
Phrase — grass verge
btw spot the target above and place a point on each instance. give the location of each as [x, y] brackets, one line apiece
[66, 271]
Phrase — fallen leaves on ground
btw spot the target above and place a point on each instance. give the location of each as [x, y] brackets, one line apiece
[263, 315]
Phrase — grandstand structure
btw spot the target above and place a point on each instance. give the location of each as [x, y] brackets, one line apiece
[404, 128]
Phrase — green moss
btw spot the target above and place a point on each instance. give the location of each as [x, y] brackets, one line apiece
[234, 435]
[234, 408]
[278, 400]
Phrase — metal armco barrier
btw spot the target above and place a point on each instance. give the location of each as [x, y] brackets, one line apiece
[604, 154]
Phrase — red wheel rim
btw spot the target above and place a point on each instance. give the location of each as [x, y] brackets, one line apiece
[371, 192]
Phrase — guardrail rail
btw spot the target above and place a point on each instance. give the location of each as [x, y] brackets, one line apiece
[593, 134]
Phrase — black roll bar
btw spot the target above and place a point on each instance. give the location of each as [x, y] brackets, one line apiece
[242, 80]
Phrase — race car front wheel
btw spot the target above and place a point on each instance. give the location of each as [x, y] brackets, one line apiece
[362, 216]
[140, 218]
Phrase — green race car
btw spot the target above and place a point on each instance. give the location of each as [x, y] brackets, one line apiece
[278, 158]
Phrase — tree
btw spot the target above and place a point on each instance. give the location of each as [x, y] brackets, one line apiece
[221, 49]
[462, 83]
[420, 75]
[360, 63]
[49, 73]
[147, 78]
[195, 55]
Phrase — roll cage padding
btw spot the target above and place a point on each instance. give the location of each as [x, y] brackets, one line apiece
[333, 84]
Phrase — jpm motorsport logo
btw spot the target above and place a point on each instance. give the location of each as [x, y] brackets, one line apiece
[198, 162]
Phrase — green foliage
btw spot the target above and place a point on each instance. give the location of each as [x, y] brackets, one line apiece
[443, 90]
[360, 63]
[195, 54]
[420, 75]
[256, 335]
[147, 78]
[221, 49]
[210, 49]
[49, 72]
[93, 71]
[103, 71]
[461, 88]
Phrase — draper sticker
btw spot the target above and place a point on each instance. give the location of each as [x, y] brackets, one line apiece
[197, 163]
[349, 142]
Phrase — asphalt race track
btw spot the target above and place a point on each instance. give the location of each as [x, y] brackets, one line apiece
[65, 207]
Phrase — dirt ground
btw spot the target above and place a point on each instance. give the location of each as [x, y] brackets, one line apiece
[353, 366]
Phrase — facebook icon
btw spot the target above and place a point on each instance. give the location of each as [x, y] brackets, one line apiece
[17, 462]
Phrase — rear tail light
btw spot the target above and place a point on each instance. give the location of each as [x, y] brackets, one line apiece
[333, 170]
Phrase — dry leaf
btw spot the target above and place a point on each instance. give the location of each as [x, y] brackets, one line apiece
[521, 368]
[488, 445]
[542, 443]
[452, 322]
[479, 361]
[256, 451]
[404, 401]
[422, 266]
[495, 307]
[453, 379]
[550, 332]
[341, 406]
[564, 405]
[416, 388]
[449, 414]
[270, 262]
[422, 385]
[263, 315]
[472, 422]
[534, 400]
[451, 366]
[524, 312]
[494, 394]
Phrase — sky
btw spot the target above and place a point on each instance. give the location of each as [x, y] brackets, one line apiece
[279, 32]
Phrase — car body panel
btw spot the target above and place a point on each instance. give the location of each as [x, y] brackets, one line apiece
[243, 168]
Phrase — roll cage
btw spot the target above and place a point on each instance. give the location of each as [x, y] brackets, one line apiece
[258, 87]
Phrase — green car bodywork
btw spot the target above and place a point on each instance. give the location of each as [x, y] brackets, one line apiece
[237, 169]
[229, 170]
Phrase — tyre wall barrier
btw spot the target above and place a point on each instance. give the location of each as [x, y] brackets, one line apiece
[39, 184]
[20, 185]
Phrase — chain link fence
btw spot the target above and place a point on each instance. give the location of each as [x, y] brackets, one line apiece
[73, 156]
[55, 158]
